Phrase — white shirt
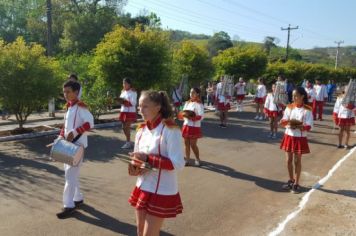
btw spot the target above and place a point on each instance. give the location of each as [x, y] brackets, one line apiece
[75, 117]
[198, 108]
[342, 111]
[297, 113]
[130, 96]
[240, 88]
[221, 98]
[171, 147]
[320, 92]
[269, 103]
[311, 94]
[261, 91]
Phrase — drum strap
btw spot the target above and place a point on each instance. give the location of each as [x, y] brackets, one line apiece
[159, 153]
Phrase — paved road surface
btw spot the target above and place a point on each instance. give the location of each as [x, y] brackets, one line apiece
[236, 192]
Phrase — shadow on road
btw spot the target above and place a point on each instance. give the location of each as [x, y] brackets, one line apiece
[346, 193]
[272, 185]
[105, 221]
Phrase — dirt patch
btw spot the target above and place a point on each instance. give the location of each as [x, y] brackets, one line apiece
[41, 128]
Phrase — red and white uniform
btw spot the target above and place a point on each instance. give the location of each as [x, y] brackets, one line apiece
[321, 95]
[311, 95]
[192, 127]
[295, 140]
[343, 115]
[177, 97]
[157, 191]
[128, 108]
[261, 93]
[240, 90]
[270, 108]
[223, 101]
[78, 120]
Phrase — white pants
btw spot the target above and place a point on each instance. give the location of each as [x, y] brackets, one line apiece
[71, 191]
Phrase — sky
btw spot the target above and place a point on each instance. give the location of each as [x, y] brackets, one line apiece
[320, 23]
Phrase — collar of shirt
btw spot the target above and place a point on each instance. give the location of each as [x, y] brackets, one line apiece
[72, 103]
[152, 125]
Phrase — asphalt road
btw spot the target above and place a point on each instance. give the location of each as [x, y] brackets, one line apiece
[237, 191]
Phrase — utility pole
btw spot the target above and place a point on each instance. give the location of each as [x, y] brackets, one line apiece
[337, 52]
[51, 102]
[49, 28]
[289, 29]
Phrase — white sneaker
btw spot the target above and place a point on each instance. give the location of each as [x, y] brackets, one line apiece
[127, 145]
[197, 163]
[260, 118]
[256, 117]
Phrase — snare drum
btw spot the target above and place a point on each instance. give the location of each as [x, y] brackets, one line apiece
[66, 152]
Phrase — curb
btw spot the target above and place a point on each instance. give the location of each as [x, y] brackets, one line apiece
[52, 132]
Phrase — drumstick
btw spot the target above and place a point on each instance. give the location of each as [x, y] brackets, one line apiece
[50, 145]
[143, 165]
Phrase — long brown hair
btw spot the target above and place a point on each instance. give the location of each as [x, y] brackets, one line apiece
[160, 98]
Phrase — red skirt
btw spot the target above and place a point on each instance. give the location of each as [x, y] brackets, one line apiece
[240, 97]
[191, 132]
[346, 121]
[128, 116]
[223, 107]
[163, 206]
[297, 145]
[272, 114]
[260, 100]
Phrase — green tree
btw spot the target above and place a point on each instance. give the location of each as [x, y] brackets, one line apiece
[249, 62]
[219, 42]
[84, 31]
[140, 55]
[27, 79]
[269, 43]
[193, 61]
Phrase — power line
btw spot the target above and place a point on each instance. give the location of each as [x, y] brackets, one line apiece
[180, 18]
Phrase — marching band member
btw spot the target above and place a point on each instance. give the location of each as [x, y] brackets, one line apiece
[297, 120]
[311, 94]
[78, 120]
[321, 96]
[272, 111]
[223, 103]
[128, 110]
[191, 130]
[158, 142]
[260, 99]
[240, 93]
[177, 99]
[344, 117]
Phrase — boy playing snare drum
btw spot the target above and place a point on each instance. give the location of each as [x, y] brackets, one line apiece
[77, 121]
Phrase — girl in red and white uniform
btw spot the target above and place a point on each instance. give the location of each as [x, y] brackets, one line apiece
[191, 130]
[158, 142]
[261, 93]
[128, 110]
[273, 111]
[223, 104]
[344, 117]
[295, 141]
[240, 93]
[311, 94]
